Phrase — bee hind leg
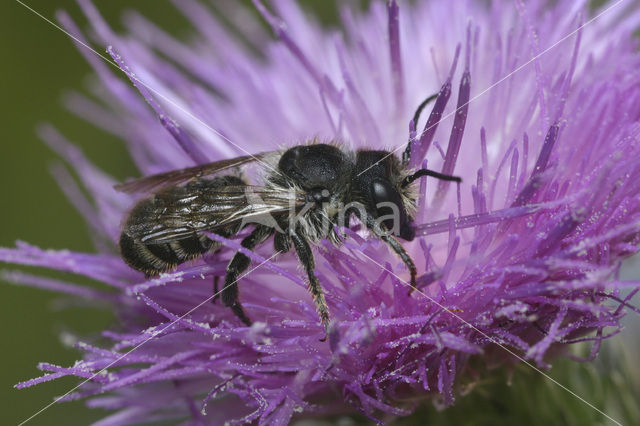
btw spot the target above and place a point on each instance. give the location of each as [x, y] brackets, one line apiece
[305, 256]
[216, 284]
[216, 293]
[281, 243]
[238, 264]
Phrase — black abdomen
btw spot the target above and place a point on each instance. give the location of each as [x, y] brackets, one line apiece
[155, 258]
[175, 212]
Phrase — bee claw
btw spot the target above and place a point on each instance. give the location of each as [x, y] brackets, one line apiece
[326, 332]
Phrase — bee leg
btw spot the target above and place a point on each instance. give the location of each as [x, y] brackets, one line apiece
[303, 250]
[406, 155]
[216, 296]
[281, 243]
[396, 247]
[237, 265]
[216, 282]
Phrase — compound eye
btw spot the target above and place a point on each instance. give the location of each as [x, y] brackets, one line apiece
[383, 196]
[395, 219]
[381, 192]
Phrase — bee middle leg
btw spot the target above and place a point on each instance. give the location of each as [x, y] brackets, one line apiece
[238, 264]
[305, 255]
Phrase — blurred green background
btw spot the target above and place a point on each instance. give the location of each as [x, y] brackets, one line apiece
[39, 64]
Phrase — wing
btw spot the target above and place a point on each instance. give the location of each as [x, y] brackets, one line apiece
[178, 213]
[176, 177]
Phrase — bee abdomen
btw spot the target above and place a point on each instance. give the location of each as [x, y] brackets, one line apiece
[176, 213]
[191, 248]
[153, 259]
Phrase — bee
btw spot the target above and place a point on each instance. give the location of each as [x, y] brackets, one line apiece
[308, 192]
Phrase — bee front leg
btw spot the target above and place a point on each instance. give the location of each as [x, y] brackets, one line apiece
[238, 264]
[395, 245]
[303, 250]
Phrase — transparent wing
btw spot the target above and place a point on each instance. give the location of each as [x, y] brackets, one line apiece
[177, 213]
[176, 177]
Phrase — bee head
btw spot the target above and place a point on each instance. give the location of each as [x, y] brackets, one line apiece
[383, 184]
[378, 181]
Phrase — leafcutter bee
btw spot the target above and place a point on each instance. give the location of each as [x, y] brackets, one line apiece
[307, 192]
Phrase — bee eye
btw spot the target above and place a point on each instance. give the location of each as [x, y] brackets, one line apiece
[381, 192]
[396, 220]
[383, 195]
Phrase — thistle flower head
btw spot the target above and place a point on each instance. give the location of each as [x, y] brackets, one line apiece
[538, 111]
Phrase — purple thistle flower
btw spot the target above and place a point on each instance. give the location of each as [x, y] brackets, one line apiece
[525, 253]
